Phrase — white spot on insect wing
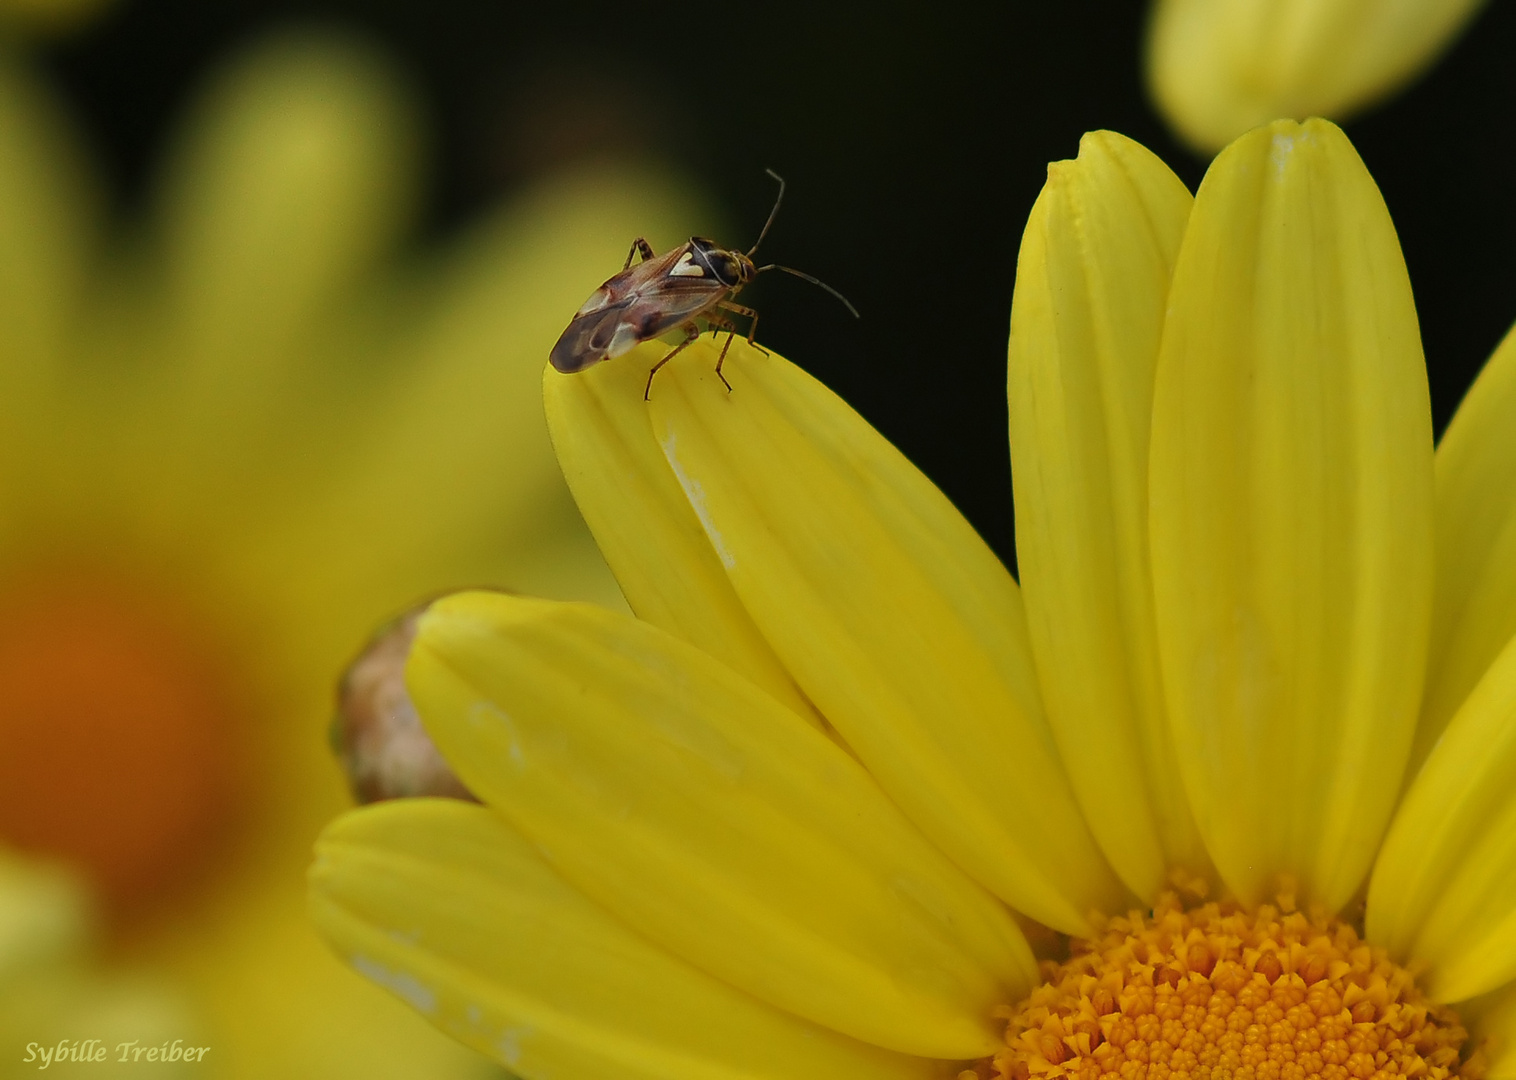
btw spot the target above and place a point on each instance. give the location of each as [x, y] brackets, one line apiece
[696, 495]
[419, 996]
[686, 267]
[599, 300]
[622, 341]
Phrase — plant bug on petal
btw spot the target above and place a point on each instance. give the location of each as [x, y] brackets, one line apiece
[696, 280]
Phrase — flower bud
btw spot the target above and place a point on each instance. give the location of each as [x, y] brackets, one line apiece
[377, 732]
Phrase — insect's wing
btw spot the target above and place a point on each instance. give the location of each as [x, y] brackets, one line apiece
[589, 338]
[600, 329]
[640, 303]
[673, 301]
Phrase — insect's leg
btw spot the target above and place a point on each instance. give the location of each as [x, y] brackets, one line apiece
[722, 359]
[716, 323]
[691, 332]
[641, 245]
[719, 324]
[752, 329]
[736, 309]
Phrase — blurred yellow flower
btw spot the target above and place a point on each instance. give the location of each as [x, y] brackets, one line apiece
[1218, 68]
[55, 996]
[47, 16]
[776, 825]
[231, 440]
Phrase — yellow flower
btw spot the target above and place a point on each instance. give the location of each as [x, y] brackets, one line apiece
[1220, 67]
[230, 442]
[776, 825]
[48, 16]
[53, 990]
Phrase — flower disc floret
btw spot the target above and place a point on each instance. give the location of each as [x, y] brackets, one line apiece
[1218, 993]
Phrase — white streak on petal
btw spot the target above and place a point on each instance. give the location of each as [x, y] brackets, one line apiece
[696, 495]
[421, 998]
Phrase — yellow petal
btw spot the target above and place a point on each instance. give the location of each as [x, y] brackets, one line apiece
[1291, 490]
[1492, 1023]
[287, 185]
[273, 999]
[602, 432]
[1091, 284]
[1475, 610]
[1441, 894]
[892, 615]
[444, 905]
[46, 917]
[1220, 67]
[443, 476]
[715, 821]
[293, 178]
[48, 16]
[51, 986]
[46, 230]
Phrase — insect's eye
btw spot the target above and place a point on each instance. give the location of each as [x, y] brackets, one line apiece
[726, 266]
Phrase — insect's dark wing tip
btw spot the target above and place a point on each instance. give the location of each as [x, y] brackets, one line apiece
[575, 351]
[570, 360]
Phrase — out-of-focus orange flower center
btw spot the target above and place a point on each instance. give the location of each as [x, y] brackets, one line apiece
[1218, 993]
[118, 738]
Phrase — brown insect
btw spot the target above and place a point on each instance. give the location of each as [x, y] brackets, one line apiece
[696, 280]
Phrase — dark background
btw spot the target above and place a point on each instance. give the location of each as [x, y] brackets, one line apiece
[914, 138]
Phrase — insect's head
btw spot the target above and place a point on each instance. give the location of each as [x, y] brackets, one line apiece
[731, 268]
[743, 266]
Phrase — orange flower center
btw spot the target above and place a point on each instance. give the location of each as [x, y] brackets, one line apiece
[117, 736]
[1216, 993]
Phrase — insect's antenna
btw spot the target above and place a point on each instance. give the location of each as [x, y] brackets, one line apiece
[772, 213]
[814, 281]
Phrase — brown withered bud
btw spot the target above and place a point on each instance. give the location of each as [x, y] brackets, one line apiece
[377, 733]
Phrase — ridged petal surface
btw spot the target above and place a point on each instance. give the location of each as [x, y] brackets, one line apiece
[891, 614]
[602, 432]
[1092, 282]
[1475, 610]
[1442, 895]
[1494, 1020]
[713, 820]
[1291, 518]
[444, 905]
